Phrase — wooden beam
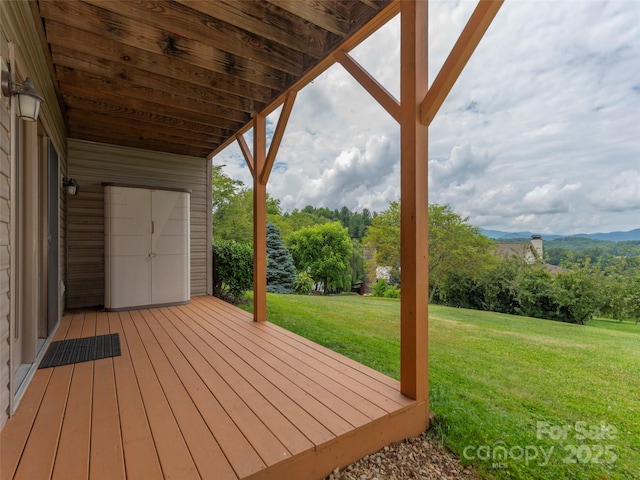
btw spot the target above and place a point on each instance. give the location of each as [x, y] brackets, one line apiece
[277, 136]
[370, 84]
[390, 11]
[259, 220]
[464, 47]
[246, 153]
[414, 264]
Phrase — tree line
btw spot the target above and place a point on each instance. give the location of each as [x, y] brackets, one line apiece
[324, 250]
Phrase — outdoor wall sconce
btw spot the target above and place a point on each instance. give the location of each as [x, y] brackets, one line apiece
[29, 99]
[71, 185]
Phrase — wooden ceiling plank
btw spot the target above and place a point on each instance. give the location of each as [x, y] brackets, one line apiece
[370, 84]
[371, 4]
[194, 26]
[461, 52]
[75, 80]
[363, 11]
[81, 19]
[329, 15]
[271, 23]
[166, 147]
[187, 78]
[80, 117]
[65, 57]
[130, 56]
[126, 111]
[153, 108]
[140, 136]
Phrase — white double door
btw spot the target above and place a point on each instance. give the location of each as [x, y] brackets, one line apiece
[146, 247]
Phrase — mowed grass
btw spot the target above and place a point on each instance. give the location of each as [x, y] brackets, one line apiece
[513, 395]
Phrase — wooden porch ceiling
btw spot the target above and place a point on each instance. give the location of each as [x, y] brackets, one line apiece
[183, 76]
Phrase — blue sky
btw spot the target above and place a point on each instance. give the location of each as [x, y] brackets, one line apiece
[541, 132]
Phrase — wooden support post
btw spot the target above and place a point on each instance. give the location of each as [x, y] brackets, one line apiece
[248, 156]
[414, 202]
[259, 220]
[287, 107]
[370, 84]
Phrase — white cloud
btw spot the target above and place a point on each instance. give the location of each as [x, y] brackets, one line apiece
[620, 194]
[465, 162]
[534, 135]
[552, 197]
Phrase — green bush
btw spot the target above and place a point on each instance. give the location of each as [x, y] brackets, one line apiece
[232, 269]
[303, 283]
[392, 292]
[380, 288]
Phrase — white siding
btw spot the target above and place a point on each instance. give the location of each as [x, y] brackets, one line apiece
[91, 164]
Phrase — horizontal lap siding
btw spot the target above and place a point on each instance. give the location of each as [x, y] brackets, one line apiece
[5, 276]
[5, 249]
[91, 164]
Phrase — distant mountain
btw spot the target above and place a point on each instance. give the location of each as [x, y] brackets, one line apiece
[611, 237]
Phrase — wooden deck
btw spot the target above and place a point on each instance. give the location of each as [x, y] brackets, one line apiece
[201, 391]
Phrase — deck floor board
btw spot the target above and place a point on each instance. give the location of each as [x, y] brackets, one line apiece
[201, 391]
[72, 458]
[313, 430]
[139, 450]
[215, 369]
[175, 458]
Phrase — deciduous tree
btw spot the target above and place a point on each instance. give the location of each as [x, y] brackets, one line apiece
[455, 246]
[323, 251]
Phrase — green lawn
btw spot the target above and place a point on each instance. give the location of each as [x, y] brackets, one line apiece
[523, 388]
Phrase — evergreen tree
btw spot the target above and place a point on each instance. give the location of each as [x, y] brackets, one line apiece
[281, 272]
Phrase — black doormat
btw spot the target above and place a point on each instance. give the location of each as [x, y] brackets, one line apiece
[78, 350]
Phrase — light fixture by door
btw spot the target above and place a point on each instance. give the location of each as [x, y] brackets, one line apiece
[71, 185]
[29, 99]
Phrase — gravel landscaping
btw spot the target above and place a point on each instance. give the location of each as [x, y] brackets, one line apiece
[420, 457]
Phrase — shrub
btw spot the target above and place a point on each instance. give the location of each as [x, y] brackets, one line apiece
[380, 288]
[303, 283]
[233, 269]
[392, 292]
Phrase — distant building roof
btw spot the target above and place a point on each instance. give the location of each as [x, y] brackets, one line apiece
[531, 252]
